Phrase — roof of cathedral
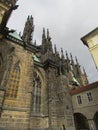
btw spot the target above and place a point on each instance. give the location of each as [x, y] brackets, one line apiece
[84, 88]
[36, 59]
[15, 36]
[76, 81]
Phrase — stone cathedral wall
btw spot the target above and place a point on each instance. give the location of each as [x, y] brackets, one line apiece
[15, 112]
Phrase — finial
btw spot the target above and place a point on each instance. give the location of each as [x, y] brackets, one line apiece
[61, 51]
[55, 48]
[35, 43]
[72, 61]
[44, 31]
[43, 35]
[66, 55]
[76, 60]
[48, 35]
[84, 71]
[71, 56]
[31, 17]
[28, 30]
[28, 17]
[62, 54]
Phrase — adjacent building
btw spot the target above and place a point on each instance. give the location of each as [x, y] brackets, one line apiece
[91, 41]
[85, 105]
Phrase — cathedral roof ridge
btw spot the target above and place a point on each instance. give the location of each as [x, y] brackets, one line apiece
[15, 37]
[36, 58]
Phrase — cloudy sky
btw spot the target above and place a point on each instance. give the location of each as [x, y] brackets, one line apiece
[67, 20]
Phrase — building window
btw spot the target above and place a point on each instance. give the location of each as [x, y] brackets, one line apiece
[89, 95]
[36, 94]
[79, 99]
[13, 82]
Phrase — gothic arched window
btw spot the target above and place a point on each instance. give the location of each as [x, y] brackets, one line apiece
[13, 82]
[36, 95]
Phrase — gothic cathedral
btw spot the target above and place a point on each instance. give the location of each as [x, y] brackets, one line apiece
[35, 80]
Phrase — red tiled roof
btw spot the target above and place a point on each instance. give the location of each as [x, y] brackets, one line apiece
[84, 88]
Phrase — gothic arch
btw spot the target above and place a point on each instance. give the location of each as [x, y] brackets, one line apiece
[80, 121]
[39, 71]
[37, 91]
[13, 81]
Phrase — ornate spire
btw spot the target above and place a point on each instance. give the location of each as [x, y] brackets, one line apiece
[49, 43]
[77, 61]
[67, 56]
[43, 35]
[55, 49]
[86, 79]
[62, 54]
[48, 36]
[47, 33]
[68, 62]
[72, 61]
[28, 30]
[84, 72]
[78, 67]
[44, 47]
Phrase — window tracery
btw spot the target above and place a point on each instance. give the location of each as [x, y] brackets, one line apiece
[36, 95]
[13, 82]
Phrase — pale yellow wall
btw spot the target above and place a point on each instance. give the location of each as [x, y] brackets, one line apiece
[92, 42]
[94, 52]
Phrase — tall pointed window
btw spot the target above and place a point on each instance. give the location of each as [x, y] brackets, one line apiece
[13, 83]
[36, 95]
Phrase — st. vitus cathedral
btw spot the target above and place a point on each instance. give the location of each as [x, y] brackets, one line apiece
[35, 80]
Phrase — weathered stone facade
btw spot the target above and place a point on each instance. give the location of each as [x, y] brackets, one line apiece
[35, 82]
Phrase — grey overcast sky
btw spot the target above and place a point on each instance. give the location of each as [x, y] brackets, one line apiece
[67, 20]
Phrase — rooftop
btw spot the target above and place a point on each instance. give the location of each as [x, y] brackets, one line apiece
[90, 34]
[84, 88]
[15, 36]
